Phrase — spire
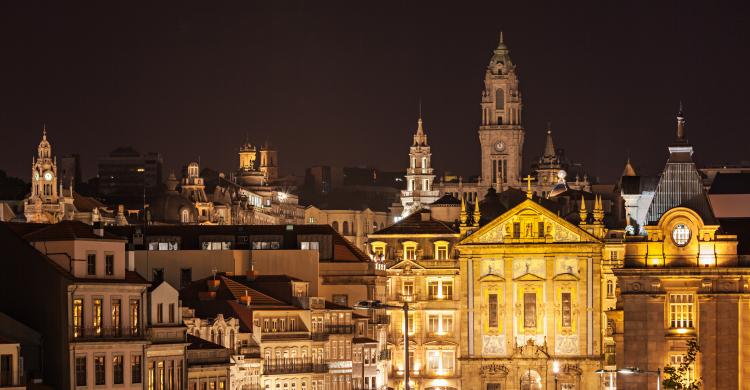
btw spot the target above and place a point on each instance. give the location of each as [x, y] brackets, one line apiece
[549, 146]
[420, 138]
[598, 210]
[462, 215]
[501, 43]
[477, 214]
[681, 126]
[582, 211]
[629, 170]
[44, 131]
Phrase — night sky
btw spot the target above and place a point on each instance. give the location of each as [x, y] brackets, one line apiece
[339, 83]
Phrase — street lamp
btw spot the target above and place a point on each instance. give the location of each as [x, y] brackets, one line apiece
[555, 370]
[611, 373]
[375, 304]
[636, 371]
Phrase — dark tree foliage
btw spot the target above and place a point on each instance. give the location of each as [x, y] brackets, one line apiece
[12, 188]
[677, 377]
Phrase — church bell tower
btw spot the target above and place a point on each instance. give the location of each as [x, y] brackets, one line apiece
[501, 133]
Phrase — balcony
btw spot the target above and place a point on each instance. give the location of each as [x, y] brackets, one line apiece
[339, 329]
[379, 319]
[440, 297]
[384, 355]
[106, 333]
[319, 336]
[297, 335]
[287, 366]
[407, 297]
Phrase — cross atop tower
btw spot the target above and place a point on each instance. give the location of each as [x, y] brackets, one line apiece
[528, 180]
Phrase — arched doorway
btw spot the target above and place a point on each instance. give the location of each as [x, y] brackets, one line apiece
[531, 380]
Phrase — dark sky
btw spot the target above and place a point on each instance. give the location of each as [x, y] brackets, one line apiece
[338, 83]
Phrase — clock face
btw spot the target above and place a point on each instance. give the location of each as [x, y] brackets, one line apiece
[500, 146]
[48, 176]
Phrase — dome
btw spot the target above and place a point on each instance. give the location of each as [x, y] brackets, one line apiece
[171, 207]
[557, 190]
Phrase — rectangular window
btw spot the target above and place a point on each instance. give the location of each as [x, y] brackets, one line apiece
[263, 245]
[410, 253]
[160, 313]
[77, 317]
[171, 313]
[433, 289]
[492, 310]
[447, 289]
[96, 317]
[135, 311]
[681, 310]
[613, 255]
[99, 373]
[109, 264]
[81, 371]
[341, 299]
[118, 370]
[6, 370]
[505, 170]
[310, 246]
[91, 264]
[136, 369]
[116, 321]
[516, 229]
[677, 360]
[186, 276]
[216, 245]
[529, 310]
[433, 360]
[442, 252]
[540, 229]
[433, 323]
[407, 288]
[566, 310]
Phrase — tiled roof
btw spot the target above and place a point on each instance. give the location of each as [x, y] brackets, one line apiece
[69, 230]
[414, 224]
[730, 183]
[199, 343]
[447, 200]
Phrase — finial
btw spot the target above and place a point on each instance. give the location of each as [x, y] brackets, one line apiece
[680, 125]
[44, 131]
[549, 127]
[501, 37]
[462, 215]
[582, 210]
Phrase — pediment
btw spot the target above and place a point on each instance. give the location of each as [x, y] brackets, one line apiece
[447, 343]
[406, 264]
[526, 217]
[492, 278]
[529, 277]
[566, 277]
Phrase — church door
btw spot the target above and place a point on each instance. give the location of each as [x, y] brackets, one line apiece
[531, 380]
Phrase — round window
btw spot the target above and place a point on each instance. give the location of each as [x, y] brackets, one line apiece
[681, 234]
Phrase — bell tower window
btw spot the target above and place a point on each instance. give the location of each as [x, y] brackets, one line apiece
[499, 99]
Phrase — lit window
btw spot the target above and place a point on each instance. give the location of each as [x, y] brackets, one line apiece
[566, 310]
[681, 234]
[677, 360]
[440, 289]
[610, 289]
[440, 324]
[217, 245]
[681, 311]
[440, 362]
[310, 246]
[410, 250]
[441, 250]
[262, 245]
[529, 310]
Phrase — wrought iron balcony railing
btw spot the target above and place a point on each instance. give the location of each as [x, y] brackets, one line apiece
[102, 333]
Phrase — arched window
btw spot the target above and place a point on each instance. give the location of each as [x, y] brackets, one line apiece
[213, 336]
[424, 162]
[610, 289]
[499, 99]
[335, 225]
[220, 339]
[231, 339]
[345, 228]
[185, 216]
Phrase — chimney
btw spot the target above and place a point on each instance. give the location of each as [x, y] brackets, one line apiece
[99, 229]
[245, 299]
[425, 215]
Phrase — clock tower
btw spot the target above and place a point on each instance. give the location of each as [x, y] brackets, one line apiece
[45, 204]
[501, 133]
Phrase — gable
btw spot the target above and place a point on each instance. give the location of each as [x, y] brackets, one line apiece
[403, 264]
[527, 218]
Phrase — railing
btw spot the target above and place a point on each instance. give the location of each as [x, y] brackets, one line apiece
[339, 329]
[407, 297]
[319, 368]
[288, 366]
[380, 319]
[319, 336]
[384, 355]
[106, 333]
[284, 335]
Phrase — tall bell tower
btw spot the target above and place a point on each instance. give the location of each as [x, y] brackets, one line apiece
[501, 133]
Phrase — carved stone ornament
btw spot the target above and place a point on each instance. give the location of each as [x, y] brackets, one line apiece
[494, 369]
